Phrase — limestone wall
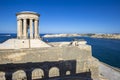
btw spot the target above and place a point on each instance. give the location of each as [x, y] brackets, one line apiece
[81, 54]
[45, 54]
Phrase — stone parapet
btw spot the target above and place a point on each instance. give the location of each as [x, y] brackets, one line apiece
[82, 57]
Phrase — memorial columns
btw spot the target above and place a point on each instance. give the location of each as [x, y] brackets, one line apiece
[19, 28]
[22, 31]
[36, 28]
[25, 29]
[27, 22]
[31, 28]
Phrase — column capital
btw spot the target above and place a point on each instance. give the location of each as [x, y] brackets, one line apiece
[24, 18]
[36, 19]
[19, 19]
[31, 18]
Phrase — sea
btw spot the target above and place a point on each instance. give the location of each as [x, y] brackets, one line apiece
[105, 50]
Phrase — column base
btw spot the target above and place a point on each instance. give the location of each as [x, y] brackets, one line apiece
[31, 37]
[37, 37]
[24, 37]
[20, 37]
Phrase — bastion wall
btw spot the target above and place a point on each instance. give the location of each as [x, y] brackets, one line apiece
[82, 56]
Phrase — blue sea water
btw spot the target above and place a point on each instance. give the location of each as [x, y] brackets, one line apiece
[106, 50]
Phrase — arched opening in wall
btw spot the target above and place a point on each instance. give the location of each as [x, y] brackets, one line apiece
[68, 72]
[2, 76]
[37, 74]
[54, 71]
[19, 75]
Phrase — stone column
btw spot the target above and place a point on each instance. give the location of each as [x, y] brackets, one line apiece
[31, 29]
[21, 30]
[36, 28]
[19, 24]
[25, 28]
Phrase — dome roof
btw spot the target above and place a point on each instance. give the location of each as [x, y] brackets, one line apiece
[28, 12]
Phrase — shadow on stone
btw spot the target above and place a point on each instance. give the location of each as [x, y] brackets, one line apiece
[55, 70]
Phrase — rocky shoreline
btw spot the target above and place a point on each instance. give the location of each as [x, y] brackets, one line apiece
[108, 36]
[61, 35]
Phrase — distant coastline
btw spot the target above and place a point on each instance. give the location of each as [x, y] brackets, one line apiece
[61, 35]
[108, 36]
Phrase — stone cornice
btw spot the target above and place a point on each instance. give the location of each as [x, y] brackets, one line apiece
[28, 12]
[27, 18]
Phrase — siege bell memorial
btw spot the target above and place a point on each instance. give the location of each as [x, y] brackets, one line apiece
[27, 57]
[27, 32]
[27, 20]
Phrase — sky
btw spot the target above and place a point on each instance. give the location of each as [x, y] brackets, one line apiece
[64, 16]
